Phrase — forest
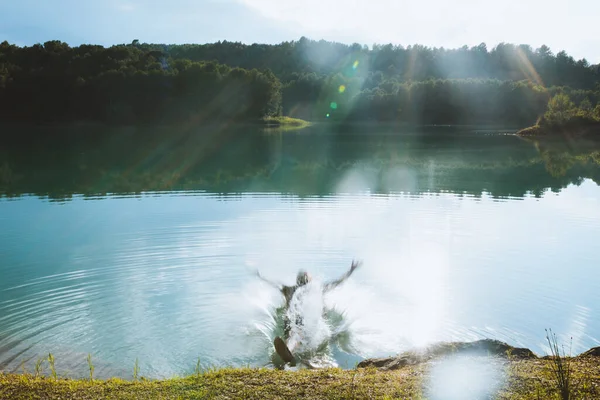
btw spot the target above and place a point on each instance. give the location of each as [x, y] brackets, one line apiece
[313, 80]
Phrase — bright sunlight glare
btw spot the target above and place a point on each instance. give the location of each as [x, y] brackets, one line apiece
[443, 24]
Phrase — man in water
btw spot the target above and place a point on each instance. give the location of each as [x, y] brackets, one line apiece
[302, 279]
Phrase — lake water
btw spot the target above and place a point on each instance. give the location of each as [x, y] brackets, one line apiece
[141, 243]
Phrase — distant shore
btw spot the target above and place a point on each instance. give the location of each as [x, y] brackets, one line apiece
[571, 128]
[285, 123]
[521, 375]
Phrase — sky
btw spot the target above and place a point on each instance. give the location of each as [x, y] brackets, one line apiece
[569, 26]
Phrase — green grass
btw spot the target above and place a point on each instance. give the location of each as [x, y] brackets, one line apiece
[530, 379]
[51, 363]
[536, 379]
[90, 367]
[525, 377]
[243, 383]
[136, 370]
[561, 366]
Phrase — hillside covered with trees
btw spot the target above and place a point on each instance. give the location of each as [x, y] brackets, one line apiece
[313, 80]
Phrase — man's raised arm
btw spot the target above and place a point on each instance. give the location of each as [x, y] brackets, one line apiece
[277, 286]
[333, 284]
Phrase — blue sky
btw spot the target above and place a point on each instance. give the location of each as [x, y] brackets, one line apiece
[569, 26]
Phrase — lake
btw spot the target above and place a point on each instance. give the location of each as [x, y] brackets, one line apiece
[143, 243]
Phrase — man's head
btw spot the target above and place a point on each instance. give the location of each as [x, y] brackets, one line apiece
[302, 278]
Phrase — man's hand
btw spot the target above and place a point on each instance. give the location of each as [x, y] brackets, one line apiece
[355, 264]
[275, 285]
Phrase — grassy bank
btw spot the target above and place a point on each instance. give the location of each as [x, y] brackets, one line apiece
[520, 379]
[226, 384]
[285, 122]
[574, 128]
[534, 130]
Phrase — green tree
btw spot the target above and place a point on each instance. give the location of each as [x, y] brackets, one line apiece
[585, 106]
[144, 82]
[596, 112]
[560, 109]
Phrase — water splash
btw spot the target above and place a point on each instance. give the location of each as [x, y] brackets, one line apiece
[308, 328]
[315, 328]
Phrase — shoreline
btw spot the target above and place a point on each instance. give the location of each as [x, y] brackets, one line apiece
[572, 129]
[521, 374]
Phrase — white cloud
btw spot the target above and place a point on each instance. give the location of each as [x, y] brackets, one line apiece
[440, 23]
[126, 7]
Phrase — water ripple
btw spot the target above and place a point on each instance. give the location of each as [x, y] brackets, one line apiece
[168, 277]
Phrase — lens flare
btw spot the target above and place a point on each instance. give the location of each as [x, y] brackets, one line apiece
[342, 89]
[355, 65]
[465, 377]
[327, 115]
[527, 68]
[333, 105]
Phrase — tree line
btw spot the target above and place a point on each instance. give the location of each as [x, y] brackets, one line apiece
[315, 80]
[413, 63]
[55, 82]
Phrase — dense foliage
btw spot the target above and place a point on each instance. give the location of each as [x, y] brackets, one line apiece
[55, 82]
[306, 79]
[562, 110]
[412, 63]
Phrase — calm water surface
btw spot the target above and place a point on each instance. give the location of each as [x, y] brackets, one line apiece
[128, 245]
